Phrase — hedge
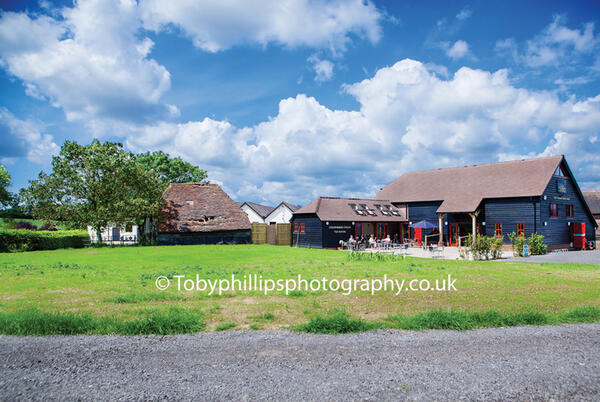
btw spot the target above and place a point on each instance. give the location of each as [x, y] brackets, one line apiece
[28, 240]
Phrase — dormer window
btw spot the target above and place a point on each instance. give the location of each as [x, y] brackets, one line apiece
[190, 202]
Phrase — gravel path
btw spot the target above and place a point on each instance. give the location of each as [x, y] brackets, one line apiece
[582, 257]
[561, 362]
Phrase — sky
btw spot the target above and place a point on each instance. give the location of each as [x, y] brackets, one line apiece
[295, 99]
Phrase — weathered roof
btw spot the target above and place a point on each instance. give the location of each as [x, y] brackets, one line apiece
[262, 210]
[461, 189]
[592, 197]
[344, 209]
[291, 207]
[200, 207]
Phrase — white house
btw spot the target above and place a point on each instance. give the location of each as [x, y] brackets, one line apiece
[256, 212]
[126, 234]
[282, 213]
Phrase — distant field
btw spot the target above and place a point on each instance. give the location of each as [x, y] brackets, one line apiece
[120, 283]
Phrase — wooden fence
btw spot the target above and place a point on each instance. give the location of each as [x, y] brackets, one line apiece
[278, 234]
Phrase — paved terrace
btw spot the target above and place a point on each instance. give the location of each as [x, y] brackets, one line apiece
[452, 253]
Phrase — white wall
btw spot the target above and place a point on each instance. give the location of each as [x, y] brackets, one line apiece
[107, 234]
[281, 214]
[253, 216]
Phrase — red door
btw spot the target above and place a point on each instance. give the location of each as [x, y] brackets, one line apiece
[454, 233]
[418, 237]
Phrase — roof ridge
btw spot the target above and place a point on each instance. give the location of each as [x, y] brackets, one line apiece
[484, 164]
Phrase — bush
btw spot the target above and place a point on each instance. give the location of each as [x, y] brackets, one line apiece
[24, 225]
[485, 247]
[535, 242]
[24, 240]
[49, 227]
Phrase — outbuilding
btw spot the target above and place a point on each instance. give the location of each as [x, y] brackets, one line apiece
[592, 197]
[327, 220]
[524, 196]
[201, 213]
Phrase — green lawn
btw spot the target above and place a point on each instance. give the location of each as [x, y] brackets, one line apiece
[120, 283]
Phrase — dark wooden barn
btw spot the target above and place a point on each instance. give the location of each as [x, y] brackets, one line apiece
[592, 198]
[525, 196]
[200, 213]
[327, 220]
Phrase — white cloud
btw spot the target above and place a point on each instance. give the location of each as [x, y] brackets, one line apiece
[87, 61]
[409, 119]
[458, 50]
[24, 138]
[464, 14]
[217, 25]
[323, 68]
[556, 44]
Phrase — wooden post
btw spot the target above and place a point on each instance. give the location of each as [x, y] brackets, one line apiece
[473, 216]
[441, 229]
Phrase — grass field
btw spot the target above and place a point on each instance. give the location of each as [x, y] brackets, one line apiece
[117, 285]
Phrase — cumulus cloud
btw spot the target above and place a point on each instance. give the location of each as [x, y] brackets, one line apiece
[24, 138]
[217, 25]
[409, 119]
[88, 61]
[556, 44]
[458, 50]
[323, 68]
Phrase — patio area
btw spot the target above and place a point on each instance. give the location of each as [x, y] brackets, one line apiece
[434, 251]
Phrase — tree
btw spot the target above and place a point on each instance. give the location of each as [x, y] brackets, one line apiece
[6, 198]
[171, 170]
[97, 185]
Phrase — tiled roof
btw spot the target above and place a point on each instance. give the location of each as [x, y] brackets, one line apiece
[200, 207]
[353, 209]
[461, 189]
[261, 210]
[593, 200]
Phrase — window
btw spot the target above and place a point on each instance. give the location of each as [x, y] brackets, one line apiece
[358, 230]
[301, 227]
[521, 230]
[498, 230]
[553, 210]
[295, 227]
[128, 227]
[570, 210]
[560, 172]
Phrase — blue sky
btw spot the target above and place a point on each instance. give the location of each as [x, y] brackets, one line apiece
[295, 99]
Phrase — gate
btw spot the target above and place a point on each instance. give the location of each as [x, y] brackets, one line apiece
[284, 234]
[259, 233]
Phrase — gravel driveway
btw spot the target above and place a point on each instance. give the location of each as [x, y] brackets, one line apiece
[581, 256]
[561, 362]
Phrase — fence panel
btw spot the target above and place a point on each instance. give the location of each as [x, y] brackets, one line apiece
[259, 233]
[284, 234]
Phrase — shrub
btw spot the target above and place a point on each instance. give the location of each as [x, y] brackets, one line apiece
[24, 240]
[485, 247]
[49, 227]
[24, 225]
[535, 242]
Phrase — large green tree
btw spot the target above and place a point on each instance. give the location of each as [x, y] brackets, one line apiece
[171, 170]
[6, 198]
[97, 185]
